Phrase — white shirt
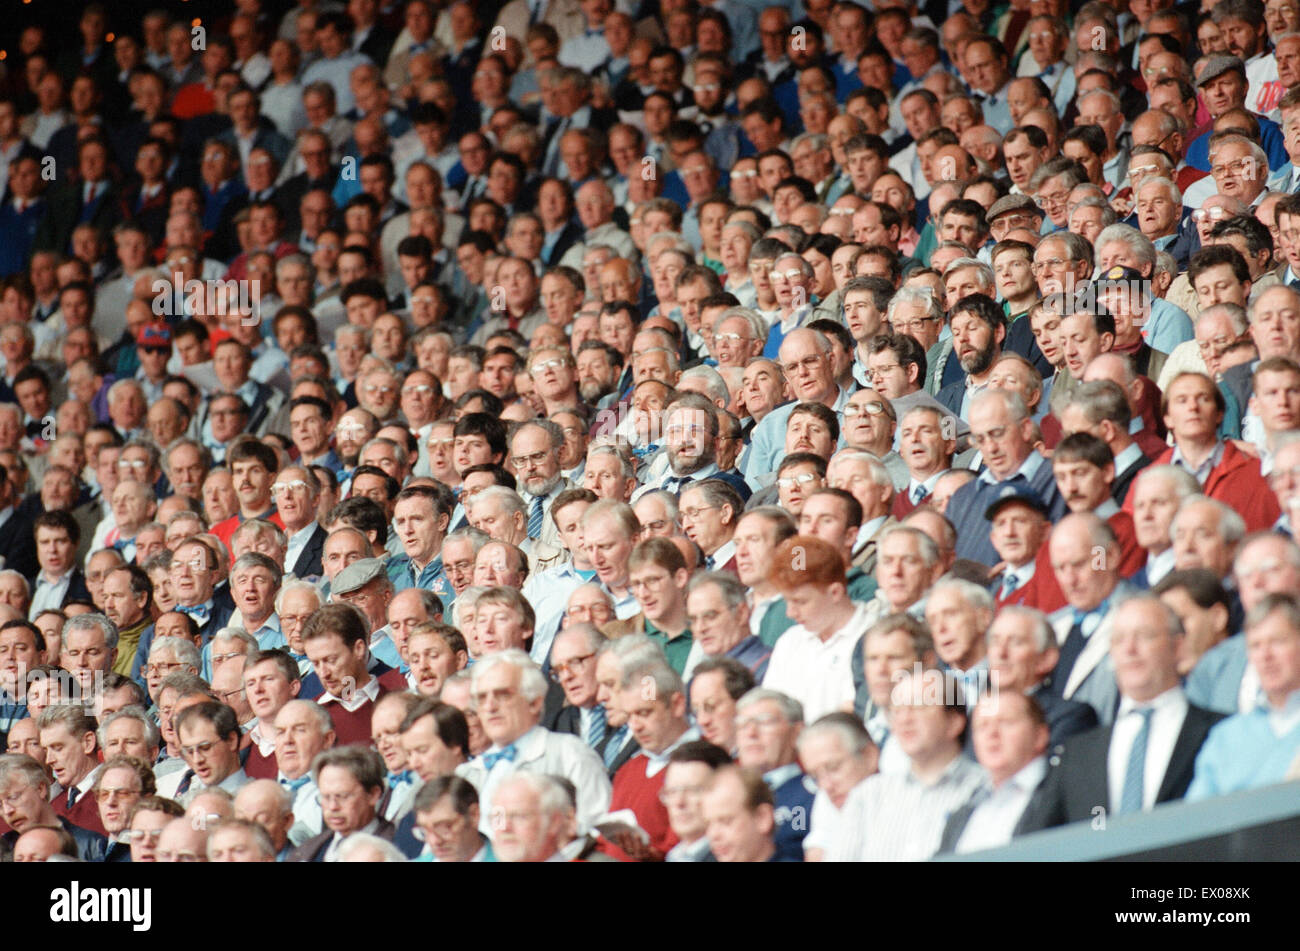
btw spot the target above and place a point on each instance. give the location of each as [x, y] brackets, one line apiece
[48, 594]
[1166, 723]
[359, 698]
[817, 673]
[993, 821]
[897, 818]
[555, 754]
[297, 542]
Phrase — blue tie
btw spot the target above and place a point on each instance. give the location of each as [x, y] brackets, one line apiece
[199, 612]
[535, 518]
[293, 785]
[1130, 799]
[920, 494]
[616, 740]
[642, 451]
[72, 798]
[184, 787]
[508, 754]
[397, 779]
[595, 726]
[1009, 581]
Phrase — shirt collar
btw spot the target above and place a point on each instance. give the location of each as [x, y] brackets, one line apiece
[1170, 698]
[360, 697]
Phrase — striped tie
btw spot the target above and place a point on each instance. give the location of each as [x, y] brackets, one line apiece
[535, 519]
[1130, 799]
[595, 726]
[616, 740]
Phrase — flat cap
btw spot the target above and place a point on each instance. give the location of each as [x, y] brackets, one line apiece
[1009, 203]
[1216, 66]
[357, 575]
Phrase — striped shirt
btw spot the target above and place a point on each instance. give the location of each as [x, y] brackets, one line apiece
[897, 818]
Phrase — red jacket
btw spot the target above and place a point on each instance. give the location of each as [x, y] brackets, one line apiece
[1236, 482]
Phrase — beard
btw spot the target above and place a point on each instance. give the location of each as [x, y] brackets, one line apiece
[594, 390]
[979, 361]
[683, 464]
[543, 487]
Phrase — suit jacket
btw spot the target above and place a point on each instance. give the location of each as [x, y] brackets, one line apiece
[309, 559]
[65, 210]
[1124, 480]
[1092, 678]
[569, 236]
[960, 818]
[1065, 718]
[1078, 782]
[630, 748]
[18, 545]
[313, 850]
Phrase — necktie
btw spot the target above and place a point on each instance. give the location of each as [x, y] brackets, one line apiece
[534, 11]
[199, 612]
[72, 798]
[595, 726]
[508, 754]
[920, 494]
[616, 740]
[642, 451]
[184, 787]
[535, 518]
[1009, 581]
[675, 483]
[398, 779]
[293, 785]
[1130, 799]
[1070, 651]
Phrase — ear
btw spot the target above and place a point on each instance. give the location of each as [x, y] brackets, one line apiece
[88, 743]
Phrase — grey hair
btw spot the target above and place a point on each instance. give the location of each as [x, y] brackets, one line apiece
[805, 268]
[1108, 216]
[1235, 313]
[476, 536]
[318, 713]
[875, 468]
[625, 465]
[1011, 401]
[20, 764]
[669, 501]
[1044, 636]
[983, 270]
[182, 651]
[634, 650]
[121, 386]
[96, 621]
[553, 430]
[552, 797]
[915, 295]
[237, 634]
[399, 451]
[713, 382]
[360, 840]
[352, 330]
[1131, 238]
[666, 681]
[1257, 153]
[10, 573]
[152, 735]
[295, 585]
[853, 740]
[465, 600]
[976, 596]
[929, 550]
[1173, 624]
[728, 585]
[590, 633]
[1184, 482]
[532, 682]
[1173, 191]
[510, 500]
[1231, 525]
[757, 325]
[790, 708]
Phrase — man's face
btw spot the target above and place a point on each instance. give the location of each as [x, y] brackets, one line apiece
[346, 805]
[901, 570]
[54, 549]
[425, 751]
[120, 604]
[336, 664]
[765, 737]
[923, 727]
[22, 805]
[252, 483]
[211, 757]
[608, 548]
[1237, 172]
[68, 756]
[18, 654]
[499, 627]
[1075, 562]
[372, 599]
[1192, 411]
[505, 713]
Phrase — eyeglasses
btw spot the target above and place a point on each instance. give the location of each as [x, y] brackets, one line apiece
[376, 388]
[139, 835]
[857, 409]
[139, 465]
[809, 363]
[284, 488]
[189, 752]
[789, 482]
[547, 365]
[793, 274]
[573, 666]
[734, 338]
[442, 830]
[696, 513]
[1056, 201]
[530, 461]
[418, 389]
[1048, 264]
[162, 668]
[115, 792]
[1209, 214]
[644, 583]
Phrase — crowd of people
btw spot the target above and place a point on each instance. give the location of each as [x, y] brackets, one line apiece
[644, 431]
